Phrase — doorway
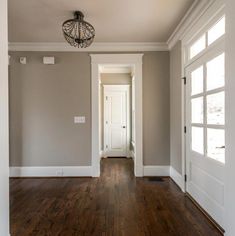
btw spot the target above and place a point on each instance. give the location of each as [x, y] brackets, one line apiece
[133, 61]
[116, 120]
[205, 137]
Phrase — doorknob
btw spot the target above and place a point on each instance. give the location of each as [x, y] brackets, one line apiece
[123, 127]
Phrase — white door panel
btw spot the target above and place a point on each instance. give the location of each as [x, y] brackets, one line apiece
[205, 130]
[116, 120]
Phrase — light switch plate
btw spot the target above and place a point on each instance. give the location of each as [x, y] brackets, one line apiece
[79, 119]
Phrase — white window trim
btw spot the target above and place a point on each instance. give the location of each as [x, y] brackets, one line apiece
[135, 61]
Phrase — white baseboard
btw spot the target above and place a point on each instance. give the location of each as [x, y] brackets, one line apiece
[50, 171]
[101, 153]
[156, 170]
[177, 177]
[132, 154]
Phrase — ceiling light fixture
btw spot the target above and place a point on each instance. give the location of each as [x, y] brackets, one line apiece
[77, 32]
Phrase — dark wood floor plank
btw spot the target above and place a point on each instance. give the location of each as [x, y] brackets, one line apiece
[116, 204]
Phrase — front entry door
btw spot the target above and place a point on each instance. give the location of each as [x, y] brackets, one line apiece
[116, 120]
[205, 138]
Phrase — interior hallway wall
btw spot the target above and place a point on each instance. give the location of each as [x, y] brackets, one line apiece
[176, 125]
[230, 119]
[156, 108]
[44, 100]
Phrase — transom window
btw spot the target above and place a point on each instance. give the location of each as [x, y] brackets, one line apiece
[208, 38]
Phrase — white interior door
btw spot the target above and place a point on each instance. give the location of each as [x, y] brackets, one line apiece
[205, 137]
[116, 120]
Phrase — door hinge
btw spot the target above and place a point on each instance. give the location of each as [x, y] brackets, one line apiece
[184, 78]
[185, 178]
[185, 129]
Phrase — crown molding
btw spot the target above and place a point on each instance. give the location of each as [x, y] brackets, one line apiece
[95, 47]
[191, 17]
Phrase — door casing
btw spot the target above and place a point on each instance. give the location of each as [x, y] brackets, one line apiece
[135, 62]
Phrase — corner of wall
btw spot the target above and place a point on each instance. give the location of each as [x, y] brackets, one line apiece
[177, 178]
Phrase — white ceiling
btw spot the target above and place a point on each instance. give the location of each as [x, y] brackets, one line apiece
[114, 20]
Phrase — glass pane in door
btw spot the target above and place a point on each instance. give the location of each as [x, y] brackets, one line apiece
[198, 46]
[197, 110]
[215, 108]
[198, 140]
[216, 144]
[197, 81]
[215, 72]
[216, 31]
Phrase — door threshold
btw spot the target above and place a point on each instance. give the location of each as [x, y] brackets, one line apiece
[117, 157]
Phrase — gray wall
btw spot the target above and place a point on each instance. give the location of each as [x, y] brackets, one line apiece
[117, 78]
[176, 108]
[156, 108]
[230, 119]
[44, 100]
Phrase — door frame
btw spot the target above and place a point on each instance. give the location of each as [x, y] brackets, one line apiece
[201, 25]
[214, 13]
[110, 88]
[4, 123]
[135, 62]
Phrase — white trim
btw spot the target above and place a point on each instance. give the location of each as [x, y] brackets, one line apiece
[116, 59]
[135, 61]
[95, 47]
[132, 155]
[50, 171]
[102, 153]
[115, 70]
[4, 123]
[178, 178]
[193, 15]
[156, 170]
[183, 120]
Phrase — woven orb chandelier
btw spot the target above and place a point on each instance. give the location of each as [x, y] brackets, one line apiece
[77, 32]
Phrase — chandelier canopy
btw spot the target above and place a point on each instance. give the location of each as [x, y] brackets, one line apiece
[77, 32]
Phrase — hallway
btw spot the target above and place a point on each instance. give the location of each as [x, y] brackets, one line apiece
[115, 204]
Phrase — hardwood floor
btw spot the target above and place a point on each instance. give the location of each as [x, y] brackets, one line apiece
[115, 204]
